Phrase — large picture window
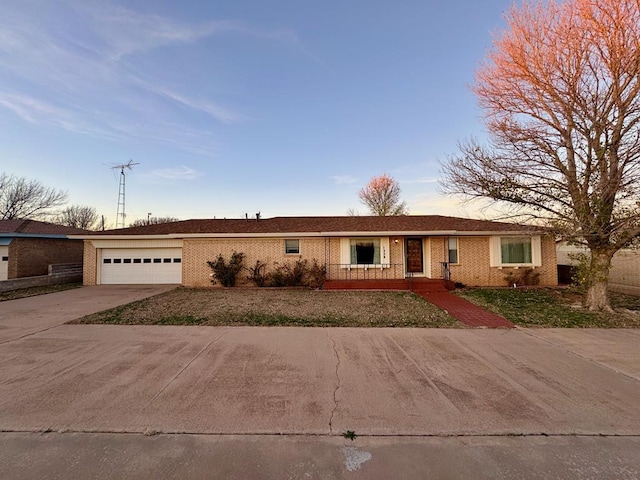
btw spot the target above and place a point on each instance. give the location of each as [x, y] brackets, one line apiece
[365, 251]
[515, 250]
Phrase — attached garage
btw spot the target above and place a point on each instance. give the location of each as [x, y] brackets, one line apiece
[140, 265]
[4, 262]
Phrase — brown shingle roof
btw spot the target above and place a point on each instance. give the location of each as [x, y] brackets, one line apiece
[397, 224]
[34, 227]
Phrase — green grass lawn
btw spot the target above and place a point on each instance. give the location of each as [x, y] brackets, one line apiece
[553, 307]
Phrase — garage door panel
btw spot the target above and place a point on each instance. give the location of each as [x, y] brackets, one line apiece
[141, 265]
[4, 263]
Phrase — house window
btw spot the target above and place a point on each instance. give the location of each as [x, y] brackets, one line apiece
[515, 250]
[106, 260]
[292, 247]
[365, 251]
[146, 260]
[362, 252]
[453, 250]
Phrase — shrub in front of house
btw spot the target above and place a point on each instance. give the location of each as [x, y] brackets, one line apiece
[297, 274]
[227, 272]
[523, 277]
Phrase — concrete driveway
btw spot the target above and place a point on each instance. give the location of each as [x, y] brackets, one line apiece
[29, 315]
[251, 402]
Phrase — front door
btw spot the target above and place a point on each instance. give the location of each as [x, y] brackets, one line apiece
[414, 255]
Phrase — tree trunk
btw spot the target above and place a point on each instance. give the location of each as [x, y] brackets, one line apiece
[597, 298]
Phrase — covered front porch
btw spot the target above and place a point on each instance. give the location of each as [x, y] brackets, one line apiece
[399, 259]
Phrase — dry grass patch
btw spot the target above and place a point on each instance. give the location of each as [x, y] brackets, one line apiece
[281, 307]
[33, 291]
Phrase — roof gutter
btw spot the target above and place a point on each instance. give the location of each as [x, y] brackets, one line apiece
[34, 235]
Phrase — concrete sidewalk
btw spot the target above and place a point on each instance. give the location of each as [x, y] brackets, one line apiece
[139, 457]
[29, 315]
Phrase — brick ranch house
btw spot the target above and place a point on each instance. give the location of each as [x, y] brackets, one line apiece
[473, 252]
[28, 247]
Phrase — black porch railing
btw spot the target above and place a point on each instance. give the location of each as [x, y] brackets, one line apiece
[386, 271]
[446, 271]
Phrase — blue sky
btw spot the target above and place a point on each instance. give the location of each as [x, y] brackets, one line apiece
[286, 107]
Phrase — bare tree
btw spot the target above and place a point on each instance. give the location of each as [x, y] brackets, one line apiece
[560, 93]
[78, 216]
[153, 221]
[24, 198]
[382, 196]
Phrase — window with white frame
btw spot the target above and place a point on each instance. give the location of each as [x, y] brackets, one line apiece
[516, 251]
[452, 250]
[358, 252]
[292, 246]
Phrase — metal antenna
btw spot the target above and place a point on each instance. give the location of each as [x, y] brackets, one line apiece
[120, 215]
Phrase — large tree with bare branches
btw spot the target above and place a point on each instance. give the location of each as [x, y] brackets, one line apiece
[153, 221]
[382, 196]
[560, 92]
[78, 216]
[24, 198]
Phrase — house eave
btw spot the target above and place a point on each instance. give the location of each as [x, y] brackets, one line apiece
[432, 233]
[34, 235]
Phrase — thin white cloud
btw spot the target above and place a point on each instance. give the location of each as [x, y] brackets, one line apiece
[70, 65]
[219, 113]
[344, 179]
[423, 180]
[40, 112]
[182, 173]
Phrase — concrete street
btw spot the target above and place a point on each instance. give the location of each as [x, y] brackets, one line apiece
[102, 401]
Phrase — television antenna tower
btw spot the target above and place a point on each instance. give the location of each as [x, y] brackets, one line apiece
[120, 215]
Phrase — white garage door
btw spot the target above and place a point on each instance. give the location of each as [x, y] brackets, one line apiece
[4, 263]
[140, 265]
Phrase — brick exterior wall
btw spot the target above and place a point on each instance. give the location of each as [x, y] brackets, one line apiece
[30, 257]
[196, 253]
[90, 265]
[474, 268]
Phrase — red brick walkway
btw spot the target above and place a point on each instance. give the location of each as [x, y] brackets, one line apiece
[434, 291]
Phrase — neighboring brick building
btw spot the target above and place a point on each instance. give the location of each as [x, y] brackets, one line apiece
[28, 247]
[473, 252]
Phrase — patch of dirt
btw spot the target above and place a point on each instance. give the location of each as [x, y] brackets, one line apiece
[275, 306]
